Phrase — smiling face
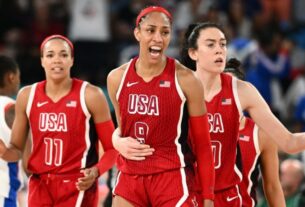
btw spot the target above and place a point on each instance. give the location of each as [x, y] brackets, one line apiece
[153, 35]
[210, 51]
[56, 59]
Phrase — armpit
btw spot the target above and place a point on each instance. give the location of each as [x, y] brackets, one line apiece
[10, 115]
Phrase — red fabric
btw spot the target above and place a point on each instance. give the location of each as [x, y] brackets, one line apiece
[150, 9]
[104, 131]
[8, 106]
[201, 143]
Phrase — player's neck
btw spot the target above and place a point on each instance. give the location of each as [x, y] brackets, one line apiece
[6, 92]
[148, 71]
[211, 84]
[56, 90]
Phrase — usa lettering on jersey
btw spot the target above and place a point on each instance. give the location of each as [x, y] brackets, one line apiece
[53, 122]
[216, 123]
[143, 104]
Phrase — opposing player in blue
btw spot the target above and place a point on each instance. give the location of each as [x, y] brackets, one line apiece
[9, 172]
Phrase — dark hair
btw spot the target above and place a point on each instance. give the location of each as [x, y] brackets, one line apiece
[190, 41]
[7, 65]
[234, 66]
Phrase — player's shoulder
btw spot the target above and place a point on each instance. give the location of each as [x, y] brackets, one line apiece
[184, 73]
[244, 86]
[25, 91]
[93, 90]
[6, 99]
[117, 73]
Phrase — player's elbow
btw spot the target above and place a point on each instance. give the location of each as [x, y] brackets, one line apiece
[292, 144]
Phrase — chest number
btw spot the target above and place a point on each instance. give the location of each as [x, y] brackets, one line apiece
[141, 131]
[216, 149]
[53, 151]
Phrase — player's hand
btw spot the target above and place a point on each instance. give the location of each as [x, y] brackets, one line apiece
[90, 176]
[2, 148]
[130, 148]
[208, 203]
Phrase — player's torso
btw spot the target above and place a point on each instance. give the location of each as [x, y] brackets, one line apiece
[249, 145]
[223, 116]
[152, 112]
[60, 131]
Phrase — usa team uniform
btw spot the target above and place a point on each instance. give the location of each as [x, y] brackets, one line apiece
[10, 178]
[152, 113]
[224, 112]
[61, 146]
[249, 146]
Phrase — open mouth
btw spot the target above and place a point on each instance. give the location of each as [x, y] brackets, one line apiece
[219, 60]
[57, 69]
[155, 51]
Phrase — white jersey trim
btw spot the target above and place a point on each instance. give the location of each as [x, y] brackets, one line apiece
[256, 139]
[239, 196]
[185, 188]
[82, 98]
[88, 116]
[117, 182]
[257, 150]
[29, 107]
[31, 98]
[236, 97]
[238, 172]
[122, 81]
[5, 129]
[80, 196]
[183, 99]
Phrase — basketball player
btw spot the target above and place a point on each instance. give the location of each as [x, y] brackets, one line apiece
[148, 94]
[64, 159]
[257, 149]
[226, 99]
[9, 172]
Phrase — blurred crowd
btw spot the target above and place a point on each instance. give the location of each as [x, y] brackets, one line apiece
[267, 36]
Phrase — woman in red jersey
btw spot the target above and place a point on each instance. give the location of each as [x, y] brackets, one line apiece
[148, 94]
[56, 112]
[259, 153]
[226, 98]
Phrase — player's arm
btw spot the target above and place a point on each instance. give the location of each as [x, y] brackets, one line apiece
[199, 127]
[260, 112]
[98, 108]
[270, 171]
[128, 147]
[20, 129]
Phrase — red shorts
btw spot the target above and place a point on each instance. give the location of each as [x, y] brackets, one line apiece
[170, 188]
[228, 198]
[51, 190]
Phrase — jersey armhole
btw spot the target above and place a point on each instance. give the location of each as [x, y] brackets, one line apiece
[122, 81]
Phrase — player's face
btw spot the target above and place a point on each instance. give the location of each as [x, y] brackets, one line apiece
[57, 59]
[211, 52]
[154, 36]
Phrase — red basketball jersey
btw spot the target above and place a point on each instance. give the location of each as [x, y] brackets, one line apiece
[60, 131]
[249, 146]
[224, 112]
[152, 112]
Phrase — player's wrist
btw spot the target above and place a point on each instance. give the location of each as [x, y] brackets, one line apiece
[95, 172]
